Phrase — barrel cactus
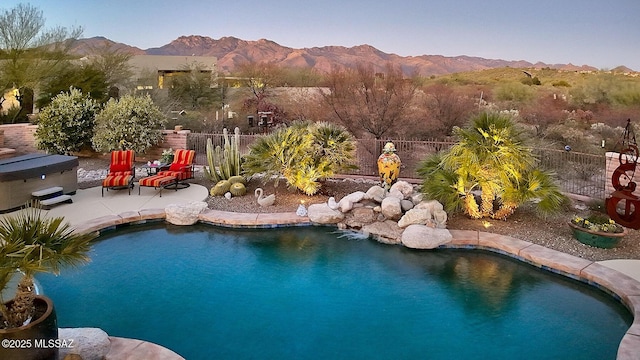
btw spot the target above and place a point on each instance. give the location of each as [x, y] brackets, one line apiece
[220, 188]
[237, 179]
[238, 189]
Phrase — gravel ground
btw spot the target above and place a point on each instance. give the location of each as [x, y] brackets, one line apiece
[552, 233]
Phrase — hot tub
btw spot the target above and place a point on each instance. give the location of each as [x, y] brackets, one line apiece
[22, 175]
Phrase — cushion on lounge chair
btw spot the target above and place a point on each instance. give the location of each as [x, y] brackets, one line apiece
[121, 160]
[157, 180]
[117, 180]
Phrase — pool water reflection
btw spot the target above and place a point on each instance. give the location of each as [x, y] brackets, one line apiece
[208, 292]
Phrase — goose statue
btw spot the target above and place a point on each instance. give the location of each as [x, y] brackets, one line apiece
[262, 200]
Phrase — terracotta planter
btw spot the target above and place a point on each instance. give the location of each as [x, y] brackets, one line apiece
[596, 238]
[31, 342]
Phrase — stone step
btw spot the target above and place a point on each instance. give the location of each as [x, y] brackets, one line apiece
[48, 203]
[47, 193]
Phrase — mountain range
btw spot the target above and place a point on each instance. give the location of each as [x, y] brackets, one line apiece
[232, 51]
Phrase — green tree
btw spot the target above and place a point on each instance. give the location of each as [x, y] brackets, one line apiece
[85, 77]
[490, 159]
[32, 53]
[114, 64]
[67, 123]
[192, 90]
[304, 154]
[132, 122]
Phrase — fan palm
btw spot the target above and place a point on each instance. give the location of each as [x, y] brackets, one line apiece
[490, 159]
[32, 243]
[303, 154]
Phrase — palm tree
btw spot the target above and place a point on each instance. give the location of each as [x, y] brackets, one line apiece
[304, 154]
[32, 243]
[490, 159]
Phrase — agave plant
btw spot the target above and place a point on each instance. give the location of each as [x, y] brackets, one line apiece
[30, 243]
[491, 160]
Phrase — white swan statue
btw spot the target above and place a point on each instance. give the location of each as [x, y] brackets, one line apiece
[264, 201]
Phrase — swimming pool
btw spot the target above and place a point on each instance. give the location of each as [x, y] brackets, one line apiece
[306, 292]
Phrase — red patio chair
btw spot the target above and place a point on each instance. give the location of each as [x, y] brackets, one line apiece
[121, 171]
[180, 169]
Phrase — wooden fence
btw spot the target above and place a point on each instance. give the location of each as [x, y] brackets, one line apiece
[577, 173]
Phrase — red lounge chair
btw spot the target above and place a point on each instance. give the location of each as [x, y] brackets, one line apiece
[121, 171]
[180, 169]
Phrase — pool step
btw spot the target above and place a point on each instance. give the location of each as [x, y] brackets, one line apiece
[49, 197]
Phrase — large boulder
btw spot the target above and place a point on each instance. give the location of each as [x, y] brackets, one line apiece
[415, 217]
[424, 237]
[323, 214]
[386, 232]
[359, 217]
[346, 203]
[89, 343]
[184, 214]
[376, 193]
[391, 208]
[432, 205]
[403, 187]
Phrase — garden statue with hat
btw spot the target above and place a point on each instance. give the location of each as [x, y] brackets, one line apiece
[388, 165]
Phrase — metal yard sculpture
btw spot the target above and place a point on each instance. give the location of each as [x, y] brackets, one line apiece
[622, 206]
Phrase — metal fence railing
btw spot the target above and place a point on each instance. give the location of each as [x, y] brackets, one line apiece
[577, 173]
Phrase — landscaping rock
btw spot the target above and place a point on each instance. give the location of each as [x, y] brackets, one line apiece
[406, 205]
[376, 193]
[403, 187]
[424, 237]
[415, 217]
[396, 194]
[386, 232]
[323, 214]
[417, 198]
[184, 214]
[346, 203]
[432, 205]
[359, 217]
[391, 208]
[88, 343]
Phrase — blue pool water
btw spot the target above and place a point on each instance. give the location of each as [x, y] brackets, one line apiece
[308, 293]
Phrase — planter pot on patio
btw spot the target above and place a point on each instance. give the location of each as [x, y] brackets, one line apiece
[596, 238]
[31, 341]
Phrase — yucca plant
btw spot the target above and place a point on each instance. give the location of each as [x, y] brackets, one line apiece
[490, 159]
[30, 243]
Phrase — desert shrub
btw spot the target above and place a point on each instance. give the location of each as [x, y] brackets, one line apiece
[304, 154]
[132, 122]
[66, 124]
[513, 92]
[561, 83]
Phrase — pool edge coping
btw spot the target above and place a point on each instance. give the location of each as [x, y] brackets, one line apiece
[620, 286]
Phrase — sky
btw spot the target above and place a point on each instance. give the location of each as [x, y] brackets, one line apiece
[602, 34]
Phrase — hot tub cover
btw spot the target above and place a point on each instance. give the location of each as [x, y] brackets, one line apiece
[34, 166]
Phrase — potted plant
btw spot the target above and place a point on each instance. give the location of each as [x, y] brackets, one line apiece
[167, 156]
[32, 243]
[597, 230]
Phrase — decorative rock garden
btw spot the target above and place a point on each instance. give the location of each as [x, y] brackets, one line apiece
[397, 216]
